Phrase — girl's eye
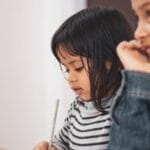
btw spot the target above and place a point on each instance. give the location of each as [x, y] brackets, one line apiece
[79, 69]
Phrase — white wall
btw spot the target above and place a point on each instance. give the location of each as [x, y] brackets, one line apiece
[30, 79]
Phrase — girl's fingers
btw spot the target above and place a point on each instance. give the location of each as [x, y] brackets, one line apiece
[41, 146]
[52, 148]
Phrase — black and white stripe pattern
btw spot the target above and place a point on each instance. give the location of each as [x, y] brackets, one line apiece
[85, 128]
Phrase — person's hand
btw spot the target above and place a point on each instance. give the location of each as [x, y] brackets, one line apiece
[44, 146]
[52, 148]
[133, 57]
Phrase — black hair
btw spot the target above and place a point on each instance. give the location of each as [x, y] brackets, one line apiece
[94, 33]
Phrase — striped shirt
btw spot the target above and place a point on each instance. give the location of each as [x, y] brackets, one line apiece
[85, 128]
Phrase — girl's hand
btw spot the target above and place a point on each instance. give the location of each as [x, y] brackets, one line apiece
[44, 146]
[52, 148]
[133, 57]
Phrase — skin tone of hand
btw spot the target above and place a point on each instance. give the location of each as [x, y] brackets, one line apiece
[133, 57]
[43, 146]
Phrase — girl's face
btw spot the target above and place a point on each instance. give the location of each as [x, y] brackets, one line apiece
[76, 73]
[142, 33]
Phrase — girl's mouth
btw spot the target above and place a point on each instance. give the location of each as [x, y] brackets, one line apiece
[78, 91]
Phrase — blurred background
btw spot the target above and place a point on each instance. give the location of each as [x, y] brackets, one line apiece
[30, 78]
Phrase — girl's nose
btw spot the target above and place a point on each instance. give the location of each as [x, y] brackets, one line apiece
[140, 31]
[72, 77]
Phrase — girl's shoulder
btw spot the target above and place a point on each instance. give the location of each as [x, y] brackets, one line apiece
[76, 103]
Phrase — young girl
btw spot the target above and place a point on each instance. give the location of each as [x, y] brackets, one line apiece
[85, 46]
